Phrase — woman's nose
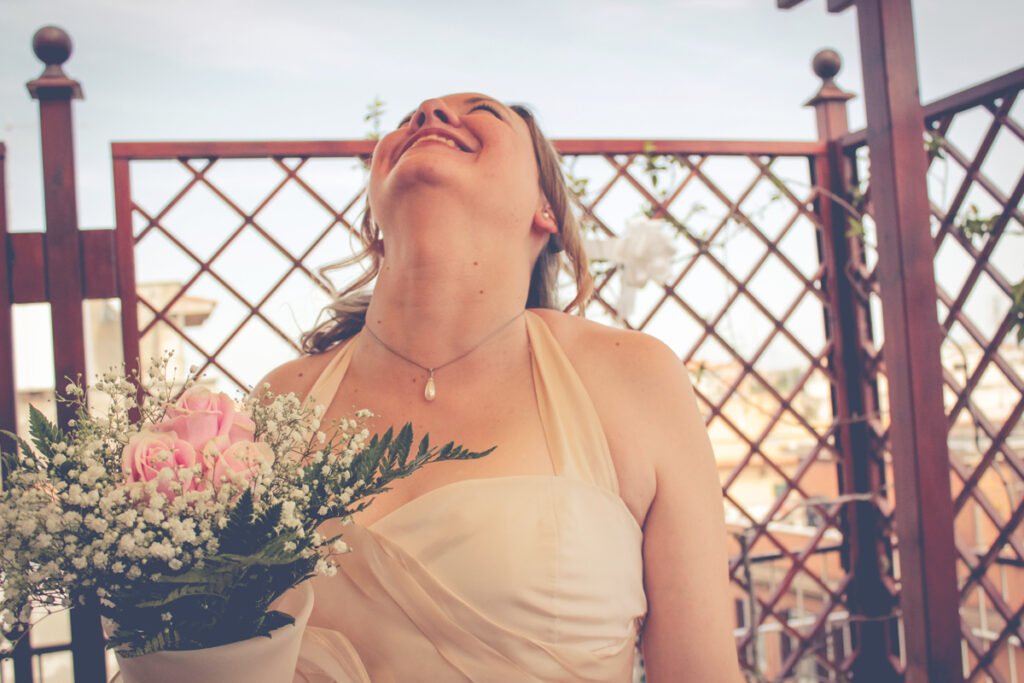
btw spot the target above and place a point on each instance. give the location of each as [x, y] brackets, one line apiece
[433, 111]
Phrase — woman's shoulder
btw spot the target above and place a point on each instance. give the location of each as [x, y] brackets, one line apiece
[299, 374]
[643, 398]
[591, 345]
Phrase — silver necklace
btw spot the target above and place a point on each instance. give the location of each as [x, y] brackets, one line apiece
[430, 390]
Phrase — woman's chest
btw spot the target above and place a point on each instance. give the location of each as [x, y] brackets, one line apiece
[506, 421]
[542, 551]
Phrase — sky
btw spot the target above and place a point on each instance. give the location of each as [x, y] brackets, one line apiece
[307, 69]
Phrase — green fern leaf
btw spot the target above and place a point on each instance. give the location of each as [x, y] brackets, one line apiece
[236, 533]
[44, 433]
[270, 518]
[399, 449]
[271, 621]
[11, 460]
[164, 640]
[189, 590]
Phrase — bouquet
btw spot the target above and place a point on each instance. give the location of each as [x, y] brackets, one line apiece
[187, 515]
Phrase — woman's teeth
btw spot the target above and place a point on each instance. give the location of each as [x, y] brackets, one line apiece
[438, 138]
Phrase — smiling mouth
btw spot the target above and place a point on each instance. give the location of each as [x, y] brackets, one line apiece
[439, 137]
[436, 138]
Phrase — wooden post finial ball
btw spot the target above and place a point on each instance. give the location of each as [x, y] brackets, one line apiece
[826, 64]
[52, 46]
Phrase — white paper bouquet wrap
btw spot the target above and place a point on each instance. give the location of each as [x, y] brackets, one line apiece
[256, 660]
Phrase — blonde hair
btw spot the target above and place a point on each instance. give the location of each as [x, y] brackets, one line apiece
[347, 313]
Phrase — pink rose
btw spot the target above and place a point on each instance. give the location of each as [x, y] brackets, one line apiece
[244, 457]
[206, 419]
[149, 452]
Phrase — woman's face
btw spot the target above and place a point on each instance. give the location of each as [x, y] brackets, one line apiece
[465, 148]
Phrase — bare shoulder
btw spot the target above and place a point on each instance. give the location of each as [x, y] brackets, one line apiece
[298, 375]
[669, 479]
[639, 386]
[635, 363]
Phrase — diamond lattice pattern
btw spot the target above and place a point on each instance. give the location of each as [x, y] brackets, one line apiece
[227, 256]
[975, 185]
[227, 259]
[743, 308]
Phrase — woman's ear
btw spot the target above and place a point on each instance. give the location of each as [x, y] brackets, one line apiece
[544, 220]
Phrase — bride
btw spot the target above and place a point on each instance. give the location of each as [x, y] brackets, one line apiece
[598, 517]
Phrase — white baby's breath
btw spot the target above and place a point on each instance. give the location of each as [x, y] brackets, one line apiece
[77, 516]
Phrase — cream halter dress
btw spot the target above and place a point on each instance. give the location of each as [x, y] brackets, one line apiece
[516, 578]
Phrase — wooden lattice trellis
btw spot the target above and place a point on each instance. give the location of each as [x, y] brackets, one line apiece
[175, 228]
[773, 296]
[759, 211]
[975, 141]
[775, 215]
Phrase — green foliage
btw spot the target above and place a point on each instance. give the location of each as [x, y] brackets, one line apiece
[227, 598]
[973, 224]
[179, 567]
[44, 433]
[855, 228]
[195, 588]
[386, 457]
[374, 114]
[857, 193]
[780, 186]
[854, 204]
[858, 198]
[240, 528]
[11, 461]
[1017, 310]
[656, 166]
[702, 367]
[164, 640]
[933, 144]
[8, 463]
[576, 184]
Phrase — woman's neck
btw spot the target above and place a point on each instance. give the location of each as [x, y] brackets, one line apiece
[454, 271]
[432, 311]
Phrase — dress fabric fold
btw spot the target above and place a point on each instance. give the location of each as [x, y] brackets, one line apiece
[517, 578]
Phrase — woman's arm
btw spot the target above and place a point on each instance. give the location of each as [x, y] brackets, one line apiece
[688, 634]
[669, 478]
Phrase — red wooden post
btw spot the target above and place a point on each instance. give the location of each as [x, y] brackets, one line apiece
[21, 656]
[125, 259]
[8, 394]
[906, 252]
[869, 600]
[64, 281]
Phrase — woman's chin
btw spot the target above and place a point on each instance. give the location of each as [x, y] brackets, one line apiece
[423, 173]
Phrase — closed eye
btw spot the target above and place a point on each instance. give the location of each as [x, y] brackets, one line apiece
[488, 108]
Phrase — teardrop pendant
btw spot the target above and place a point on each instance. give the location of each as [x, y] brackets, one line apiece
[430, 392]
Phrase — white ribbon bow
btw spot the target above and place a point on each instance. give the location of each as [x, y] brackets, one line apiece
[644, 252]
